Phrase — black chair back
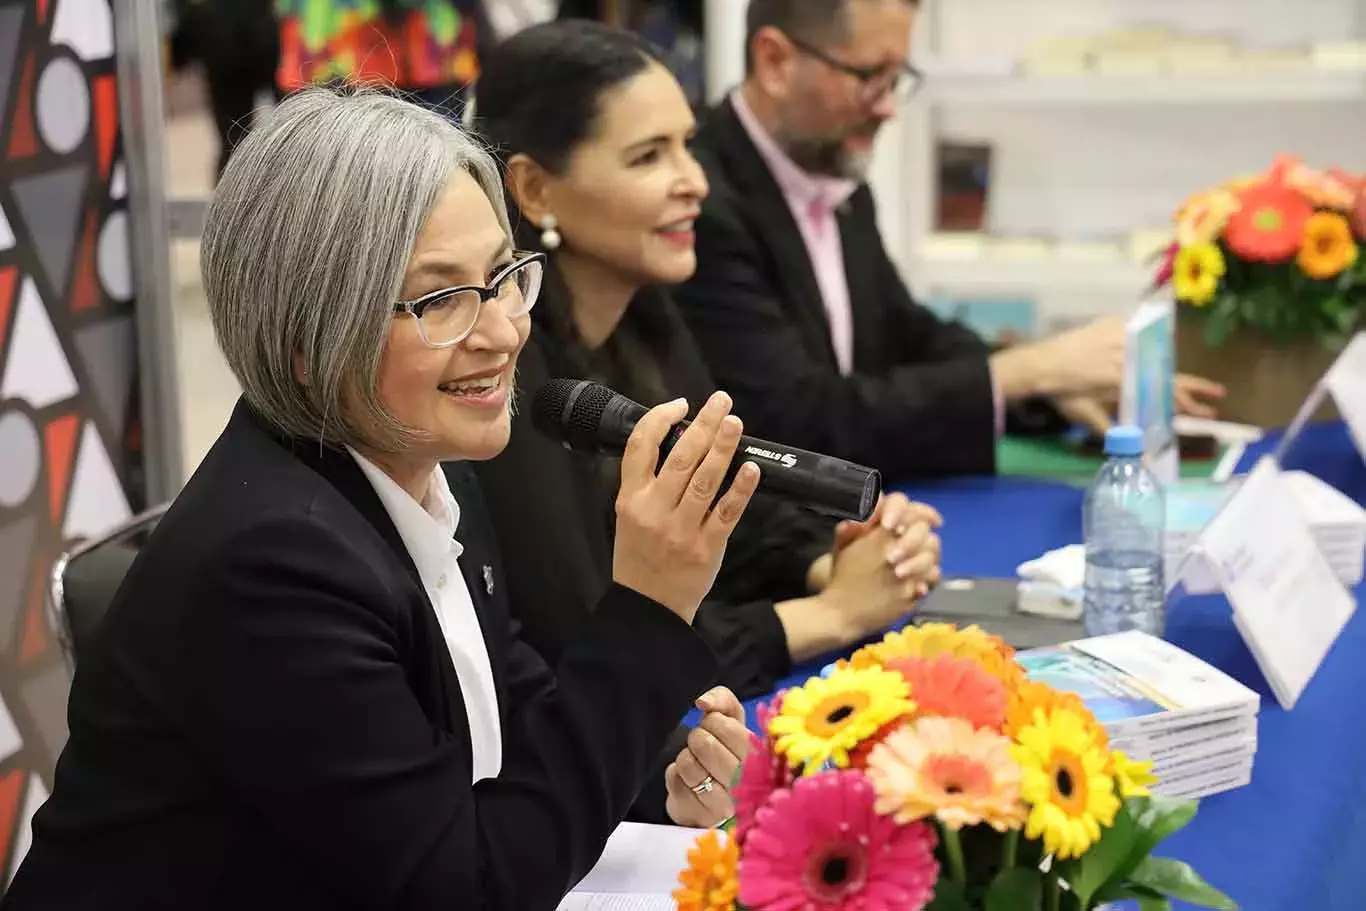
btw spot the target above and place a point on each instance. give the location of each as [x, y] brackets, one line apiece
[85, 579]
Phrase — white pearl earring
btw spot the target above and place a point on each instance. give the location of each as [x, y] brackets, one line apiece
[550, 234]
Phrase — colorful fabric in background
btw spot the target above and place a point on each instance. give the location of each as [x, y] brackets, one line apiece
[411, 44]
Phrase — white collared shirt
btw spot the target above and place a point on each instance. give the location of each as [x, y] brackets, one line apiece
[428, 531]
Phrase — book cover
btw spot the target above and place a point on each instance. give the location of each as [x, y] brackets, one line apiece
[1133, 682]
[1146, 400]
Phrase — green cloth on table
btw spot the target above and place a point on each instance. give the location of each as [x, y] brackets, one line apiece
[1053, 458]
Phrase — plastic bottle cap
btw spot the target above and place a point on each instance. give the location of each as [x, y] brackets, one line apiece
[1124, 440]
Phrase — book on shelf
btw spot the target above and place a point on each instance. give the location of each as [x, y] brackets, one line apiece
[1196, 724]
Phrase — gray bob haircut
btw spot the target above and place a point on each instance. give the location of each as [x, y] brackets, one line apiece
[305, 245]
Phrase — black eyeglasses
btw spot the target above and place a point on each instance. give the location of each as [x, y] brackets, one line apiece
[447, 317]
[901, 80]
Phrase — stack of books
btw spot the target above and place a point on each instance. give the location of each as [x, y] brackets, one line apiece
[1195, 723]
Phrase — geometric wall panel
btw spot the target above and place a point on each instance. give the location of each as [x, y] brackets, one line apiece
[11, 793]
[68, 342]
[36, 370]
[11, 25]
[97, 502]
[63, 110]
[108, 352]
[49, 205]
[87, 27]
[16, 557]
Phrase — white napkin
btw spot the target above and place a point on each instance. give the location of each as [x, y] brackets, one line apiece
[1051, 585]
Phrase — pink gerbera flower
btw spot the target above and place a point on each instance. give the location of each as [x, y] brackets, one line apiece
[820, 846]
[764, 771]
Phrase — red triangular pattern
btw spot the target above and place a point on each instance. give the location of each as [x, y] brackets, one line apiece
[24, 141]
[33, 643]
[8, 279]
[60, 436]
[106, 121]
[42, 11]
[85, 287]
[11, 789]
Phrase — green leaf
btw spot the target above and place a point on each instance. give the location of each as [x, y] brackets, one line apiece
[1177, 880]
[1016, 889]
[1104, 860]
[1161, 818]
[1160, 903]
[948, 896]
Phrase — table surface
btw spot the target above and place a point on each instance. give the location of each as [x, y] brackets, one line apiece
[1292, 838]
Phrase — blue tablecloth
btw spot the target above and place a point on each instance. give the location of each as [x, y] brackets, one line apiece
[1294, 838]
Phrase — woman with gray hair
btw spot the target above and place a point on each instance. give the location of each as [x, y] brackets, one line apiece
[305, 694]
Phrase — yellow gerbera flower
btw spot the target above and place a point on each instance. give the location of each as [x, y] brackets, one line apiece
[1196, 273]
[828, 716]
[930, 640]
[1133, 779]
[1066, 783]
[711, 881]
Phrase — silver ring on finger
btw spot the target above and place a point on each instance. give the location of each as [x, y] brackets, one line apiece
[706, 786]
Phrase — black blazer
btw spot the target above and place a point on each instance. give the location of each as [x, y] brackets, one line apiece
[269, 717]
[919, 401]
[553, 513]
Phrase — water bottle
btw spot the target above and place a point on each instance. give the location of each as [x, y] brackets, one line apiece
[1123, 523]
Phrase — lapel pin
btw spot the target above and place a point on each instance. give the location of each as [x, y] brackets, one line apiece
[488, 579]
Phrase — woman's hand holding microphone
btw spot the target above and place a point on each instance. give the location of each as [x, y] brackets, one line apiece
[671, 535]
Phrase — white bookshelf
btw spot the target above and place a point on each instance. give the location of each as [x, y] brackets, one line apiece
[1093, 156]
[950, 84]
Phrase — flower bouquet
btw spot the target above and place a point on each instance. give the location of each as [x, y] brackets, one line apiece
[1268, 272]
[1278, 252]
[927, 772]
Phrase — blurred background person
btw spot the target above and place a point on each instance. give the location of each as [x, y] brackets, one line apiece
[429, 49]
[238, 44]
[593, 131]
[795, 304]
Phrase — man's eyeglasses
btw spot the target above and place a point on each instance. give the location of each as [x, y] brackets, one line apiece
[447, 317]
[901, 80]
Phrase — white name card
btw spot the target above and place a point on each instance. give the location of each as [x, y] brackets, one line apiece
[1288, 604]
[1345, 381]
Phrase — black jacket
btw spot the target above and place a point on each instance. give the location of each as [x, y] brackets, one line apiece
[269, 717]
[553, 513]
[919, 401]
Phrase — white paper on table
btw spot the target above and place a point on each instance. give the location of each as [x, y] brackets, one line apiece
[638, 870]
[1288, 603]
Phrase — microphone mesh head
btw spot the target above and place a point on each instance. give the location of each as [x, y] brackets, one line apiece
[580, 427]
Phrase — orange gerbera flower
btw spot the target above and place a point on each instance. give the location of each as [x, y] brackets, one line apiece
[1269, 224]
[1031, 697]
[1328, 246]
[1323, 189]
[949, 687]
[711, 881]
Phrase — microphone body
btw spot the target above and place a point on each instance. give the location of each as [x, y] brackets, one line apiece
[588, 417]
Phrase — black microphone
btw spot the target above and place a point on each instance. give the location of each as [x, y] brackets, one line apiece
[588, 417]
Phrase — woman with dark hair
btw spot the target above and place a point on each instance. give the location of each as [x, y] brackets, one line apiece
[593, 131]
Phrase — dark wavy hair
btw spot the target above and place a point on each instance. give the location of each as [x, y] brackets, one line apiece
[539, 94]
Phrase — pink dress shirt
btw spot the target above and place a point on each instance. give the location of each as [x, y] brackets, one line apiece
[813, 200]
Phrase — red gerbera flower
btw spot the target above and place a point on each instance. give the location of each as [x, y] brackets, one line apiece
[1270, 225]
